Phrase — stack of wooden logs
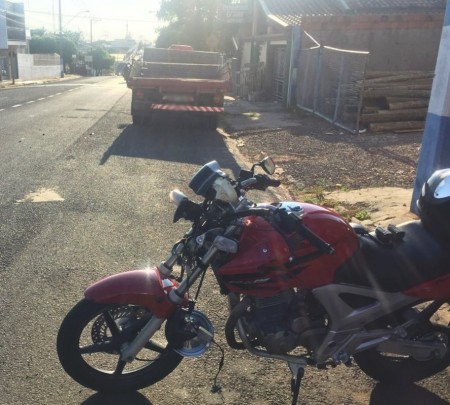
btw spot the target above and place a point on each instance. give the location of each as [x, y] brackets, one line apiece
[396, 101]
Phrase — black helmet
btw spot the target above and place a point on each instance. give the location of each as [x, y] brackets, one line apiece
[434, 203]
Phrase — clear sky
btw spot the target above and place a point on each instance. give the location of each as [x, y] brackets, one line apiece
[111, 19]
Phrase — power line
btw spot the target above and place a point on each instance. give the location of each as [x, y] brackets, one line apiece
[88, 18]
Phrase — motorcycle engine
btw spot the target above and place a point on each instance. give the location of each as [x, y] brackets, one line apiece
[285, 321]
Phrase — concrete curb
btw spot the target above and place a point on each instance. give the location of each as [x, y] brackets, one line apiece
[8, 83]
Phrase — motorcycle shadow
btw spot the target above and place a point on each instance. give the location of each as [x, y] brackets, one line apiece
[134, 398]
[384, 394]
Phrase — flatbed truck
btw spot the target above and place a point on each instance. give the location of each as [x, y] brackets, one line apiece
[178, 80]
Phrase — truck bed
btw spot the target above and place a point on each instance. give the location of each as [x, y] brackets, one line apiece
[168, 68]
[178, 84]
[168, 81]
[176, 56]
[181, 76]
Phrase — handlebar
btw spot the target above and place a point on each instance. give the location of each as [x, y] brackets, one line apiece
[291, 223]
[248, 183]
[323, 246]
[258, 212]
[260, 182]
[265, 181]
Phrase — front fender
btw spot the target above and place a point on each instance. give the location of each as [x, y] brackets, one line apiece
[136, 287]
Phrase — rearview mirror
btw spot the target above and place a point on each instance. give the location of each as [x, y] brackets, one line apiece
[268, 165]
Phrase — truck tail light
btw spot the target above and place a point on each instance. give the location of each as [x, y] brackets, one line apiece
[218, 98]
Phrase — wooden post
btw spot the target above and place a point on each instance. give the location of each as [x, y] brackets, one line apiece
[293, 65]
[435, 151]
[11, 72]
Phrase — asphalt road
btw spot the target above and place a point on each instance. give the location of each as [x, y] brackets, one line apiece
[83, 194]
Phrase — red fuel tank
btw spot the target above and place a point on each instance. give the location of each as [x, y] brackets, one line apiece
[269, 261]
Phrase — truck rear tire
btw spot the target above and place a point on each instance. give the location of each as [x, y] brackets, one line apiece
[138, 120]
[212, 122]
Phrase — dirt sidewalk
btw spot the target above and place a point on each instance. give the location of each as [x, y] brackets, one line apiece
[385, 205]
[244, 120]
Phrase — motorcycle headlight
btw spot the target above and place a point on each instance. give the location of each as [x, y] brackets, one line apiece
[211, 177]
[202, 181]
[225, 190]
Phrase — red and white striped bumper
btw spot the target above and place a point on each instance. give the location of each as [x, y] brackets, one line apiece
[182, 107]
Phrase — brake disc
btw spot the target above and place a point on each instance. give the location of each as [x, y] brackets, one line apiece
[123, 316]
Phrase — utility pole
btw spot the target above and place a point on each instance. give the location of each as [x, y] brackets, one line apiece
[92, 53]
[435, 150]
[93, 19]
[53, 16]
[61, 59]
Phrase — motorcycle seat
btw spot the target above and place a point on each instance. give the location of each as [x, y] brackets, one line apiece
[417, 258]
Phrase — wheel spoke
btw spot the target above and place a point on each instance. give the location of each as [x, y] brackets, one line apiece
[120, 367]
[91, 340]
[97, 348]
[111, 323]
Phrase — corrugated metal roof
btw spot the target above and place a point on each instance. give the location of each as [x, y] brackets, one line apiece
[291, 12]
[395, 4]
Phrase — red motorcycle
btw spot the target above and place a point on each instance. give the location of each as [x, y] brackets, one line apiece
[304, 286]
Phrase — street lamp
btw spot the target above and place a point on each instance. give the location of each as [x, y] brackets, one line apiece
[75, 16]
[61, 60]
[93, 19]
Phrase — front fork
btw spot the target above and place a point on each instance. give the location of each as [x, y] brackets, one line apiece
[175, 296]
[129, 351]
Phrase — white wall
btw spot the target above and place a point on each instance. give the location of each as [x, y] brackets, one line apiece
[33, 67]
[263, 53]
[247, 50]
[3, 30]
[246, 53]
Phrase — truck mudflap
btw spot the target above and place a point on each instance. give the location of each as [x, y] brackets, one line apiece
[183, 107]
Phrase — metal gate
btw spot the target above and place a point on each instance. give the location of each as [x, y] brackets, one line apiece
[330, 83]
[279, 70]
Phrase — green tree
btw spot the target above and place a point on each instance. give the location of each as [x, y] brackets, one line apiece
[101, 59]
[75, 36]
[43, 42]
[38, 32]
[190, 22]
[46, 43]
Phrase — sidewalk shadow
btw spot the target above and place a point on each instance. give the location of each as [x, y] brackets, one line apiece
[384, 394]
[134, 398]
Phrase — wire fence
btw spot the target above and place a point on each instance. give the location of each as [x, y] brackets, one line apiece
[249, 81]
[278, 75]
[330, 83]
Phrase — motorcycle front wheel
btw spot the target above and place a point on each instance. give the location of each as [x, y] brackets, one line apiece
[89, 342]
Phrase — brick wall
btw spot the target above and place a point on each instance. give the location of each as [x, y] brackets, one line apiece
[395, 42]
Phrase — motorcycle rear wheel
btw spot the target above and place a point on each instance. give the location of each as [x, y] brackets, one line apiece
[392, 369]
[89, 342]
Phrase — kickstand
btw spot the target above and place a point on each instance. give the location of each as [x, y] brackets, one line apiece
[297, 374]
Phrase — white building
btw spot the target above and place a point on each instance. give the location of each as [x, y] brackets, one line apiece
[12, 37]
